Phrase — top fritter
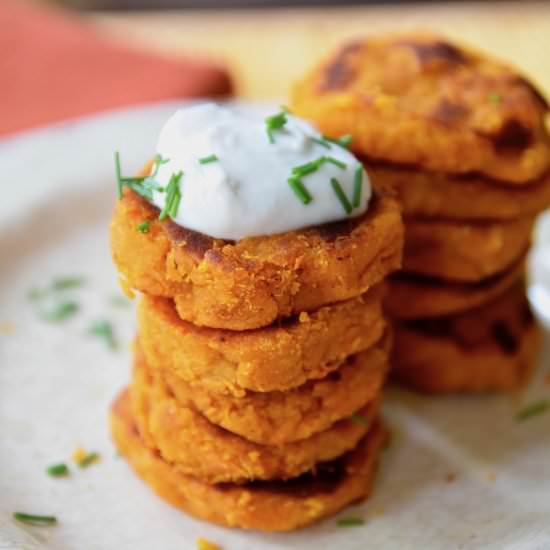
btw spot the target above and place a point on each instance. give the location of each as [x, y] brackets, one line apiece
[244, 219]
[417, 99]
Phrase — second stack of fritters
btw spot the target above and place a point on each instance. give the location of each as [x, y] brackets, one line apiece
[461, 140]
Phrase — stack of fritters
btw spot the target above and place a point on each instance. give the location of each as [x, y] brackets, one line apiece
[461, 139]
[258, 364]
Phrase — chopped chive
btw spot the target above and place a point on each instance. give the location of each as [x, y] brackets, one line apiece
[275, 122]
[88, 460]
[336, 162]
[60, 312]
[357, 187]
[58, 470]
[299, 190]
[322, 142]
[209, 159]
[65, 283]
[341, 195]
[118, 175]
[308, 168]
[350, 522]
[143, 227]
[33, 519]
[533, 410]
[173, 197]
[495, 98]
[104, 330]
[343, 141]
[360, 419]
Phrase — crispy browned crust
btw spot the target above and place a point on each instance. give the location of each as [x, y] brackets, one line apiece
[301, 348]
[487, 349]
[267, 506]
[464, 252]
[421, 100]
[195, 446]
[416, 297]
[276, 418]
[253, 282]
[467, 197]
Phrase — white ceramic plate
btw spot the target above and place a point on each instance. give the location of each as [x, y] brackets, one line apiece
[56, 383]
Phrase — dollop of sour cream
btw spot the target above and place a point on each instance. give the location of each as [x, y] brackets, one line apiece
[244, 191]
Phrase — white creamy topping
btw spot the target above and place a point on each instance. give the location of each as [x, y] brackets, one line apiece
[245, 192]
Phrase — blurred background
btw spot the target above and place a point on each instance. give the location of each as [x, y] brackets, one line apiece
[88, 55]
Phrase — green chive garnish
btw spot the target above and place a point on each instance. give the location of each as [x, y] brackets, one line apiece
[299, 190]
[307, 168]
[343, 141]
[495, 98]
[209, 159]
[350, 522]
[104, 330]
[143, 185]
[173, 197]
[336, 162]
[32, 519]
[533, 410]
[341, 195]
[65, 283]
[322, 142]
[275, 122]
[143, 227]
[60, 312]
[118, 175]
[58, 470]
[357, 187]
[89, 459]
[360, 419]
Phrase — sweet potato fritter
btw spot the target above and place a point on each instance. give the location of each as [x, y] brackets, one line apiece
[416, 297]
[275, 418]
[464, 252]
[267, 506]
[251, 283]
[278, 357]
[195, 446]
[420, 100]
[436, 194]
[489, 348]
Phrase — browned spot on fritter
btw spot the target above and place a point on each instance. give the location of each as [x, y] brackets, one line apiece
[503, 336]
[449, 113]
[338, 73]
[331, 231]
[325, 479]
[197, 244]
[512, 135]
[435, 53]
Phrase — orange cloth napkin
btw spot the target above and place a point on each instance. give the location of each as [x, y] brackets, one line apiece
[56, 66]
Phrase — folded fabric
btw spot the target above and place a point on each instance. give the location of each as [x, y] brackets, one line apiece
[55, 65]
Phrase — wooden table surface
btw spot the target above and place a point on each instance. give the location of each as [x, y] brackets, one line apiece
[266, 49]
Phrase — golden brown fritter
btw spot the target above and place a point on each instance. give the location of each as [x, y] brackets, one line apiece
[416, 297]
[252, 282]
[275, 418]
[464, 252]
[278, 357]
[195, 446]
[267, 506]
[493, 347]
[421, 100]
[459, 197]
